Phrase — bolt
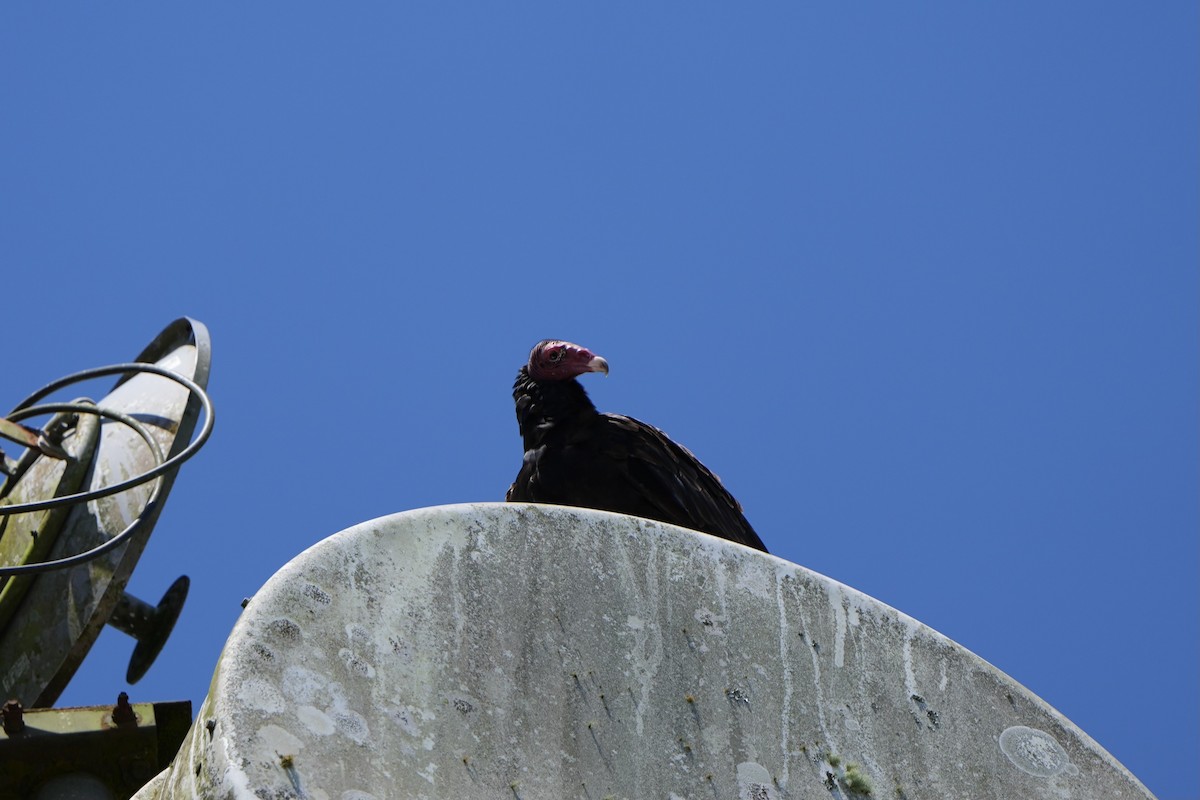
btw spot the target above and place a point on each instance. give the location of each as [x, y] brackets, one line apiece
[122, 713]
[49, 442]
[13, 717]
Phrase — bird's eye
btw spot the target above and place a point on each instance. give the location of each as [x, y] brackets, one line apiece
[556, 355]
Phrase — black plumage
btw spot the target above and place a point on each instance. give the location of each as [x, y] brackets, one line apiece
[577, 456]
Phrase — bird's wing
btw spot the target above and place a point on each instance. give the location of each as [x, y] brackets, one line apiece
[672, 480]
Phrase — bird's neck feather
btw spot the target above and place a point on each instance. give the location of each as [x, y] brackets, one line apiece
[548, 405]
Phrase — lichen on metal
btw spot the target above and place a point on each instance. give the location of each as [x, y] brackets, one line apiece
[502, 650]
[28, 538]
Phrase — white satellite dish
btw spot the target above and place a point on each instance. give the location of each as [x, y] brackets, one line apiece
[528, 652]
[77, 507]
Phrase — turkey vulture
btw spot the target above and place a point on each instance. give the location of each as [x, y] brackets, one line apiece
[576, 456]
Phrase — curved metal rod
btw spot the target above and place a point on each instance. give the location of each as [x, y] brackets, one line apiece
[130, 529]
[24, 409]
[92, 494]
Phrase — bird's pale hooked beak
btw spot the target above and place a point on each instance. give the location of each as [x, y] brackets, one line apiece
[598, 364]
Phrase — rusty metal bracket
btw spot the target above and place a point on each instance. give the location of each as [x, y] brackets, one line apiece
[45, 442]
[121, 747]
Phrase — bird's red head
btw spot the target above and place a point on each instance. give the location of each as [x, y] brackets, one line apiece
[554, 360]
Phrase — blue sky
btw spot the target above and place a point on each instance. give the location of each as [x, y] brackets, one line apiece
[920, 284]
